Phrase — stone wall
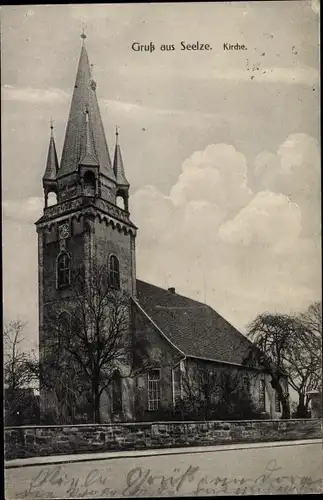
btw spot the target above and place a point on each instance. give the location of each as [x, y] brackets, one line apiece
[32, 441]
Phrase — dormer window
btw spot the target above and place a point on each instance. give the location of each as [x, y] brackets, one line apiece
[114, 273]
[63, 270]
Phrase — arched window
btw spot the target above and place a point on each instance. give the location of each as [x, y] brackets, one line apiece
[89, 184]
[63, 270]
[120, 202]
[114, 273]
[51, 199]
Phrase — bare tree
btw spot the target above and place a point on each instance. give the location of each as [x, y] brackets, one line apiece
[303, 357]
[208, 393]
[272, 335]
[290, 348]
[16, 374]
[61, 380]
[96, 335]
[200, 389]
[312, 323]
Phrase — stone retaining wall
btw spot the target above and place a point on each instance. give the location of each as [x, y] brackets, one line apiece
[30, 441]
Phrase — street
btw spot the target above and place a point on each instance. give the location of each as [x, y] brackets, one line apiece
[269, 468]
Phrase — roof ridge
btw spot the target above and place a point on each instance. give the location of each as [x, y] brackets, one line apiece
[202, 304]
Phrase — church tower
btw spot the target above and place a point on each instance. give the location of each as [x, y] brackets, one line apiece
[86, 222]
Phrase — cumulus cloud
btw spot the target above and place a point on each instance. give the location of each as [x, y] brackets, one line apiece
[269, 219]
[294, 170]
[215, 175]
[239, 249]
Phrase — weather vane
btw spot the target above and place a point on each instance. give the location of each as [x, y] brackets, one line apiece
[83, 35]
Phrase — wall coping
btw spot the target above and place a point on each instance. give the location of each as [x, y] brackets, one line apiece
[161, 422]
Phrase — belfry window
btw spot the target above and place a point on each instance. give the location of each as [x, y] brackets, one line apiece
[89, 184]
[63, 270]
[114, 272]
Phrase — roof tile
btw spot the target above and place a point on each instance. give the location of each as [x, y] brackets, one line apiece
[195, 328]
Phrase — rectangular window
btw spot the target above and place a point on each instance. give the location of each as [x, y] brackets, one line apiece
[153, 390]
[277, 402]
[262, 395]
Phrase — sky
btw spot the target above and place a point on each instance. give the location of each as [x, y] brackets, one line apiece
[221, 147]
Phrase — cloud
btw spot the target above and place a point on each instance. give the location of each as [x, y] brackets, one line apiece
[215, 175]
[304, 75]
[130, 107]
[269, 219]
[296, 74]
[211, 236]
[20, 298]
[215, 239]
[32, 95]
[294, 170]
[25, 210]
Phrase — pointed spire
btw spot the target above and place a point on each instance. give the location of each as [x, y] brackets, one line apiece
[118, 167]
[83, 133]
[52, 162]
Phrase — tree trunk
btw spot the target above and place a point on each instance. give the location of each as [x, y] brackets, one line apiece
[307, 402]
[301, 407]
[286, 409]
[206, 410]
[283, 398]
[96, 397]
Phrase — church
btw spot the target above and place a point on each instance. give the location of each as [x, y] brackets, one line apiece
[90, 220]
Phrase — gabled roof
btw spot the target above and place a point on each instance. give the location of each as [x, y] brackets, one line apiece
[194, 328]
[84, 100]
